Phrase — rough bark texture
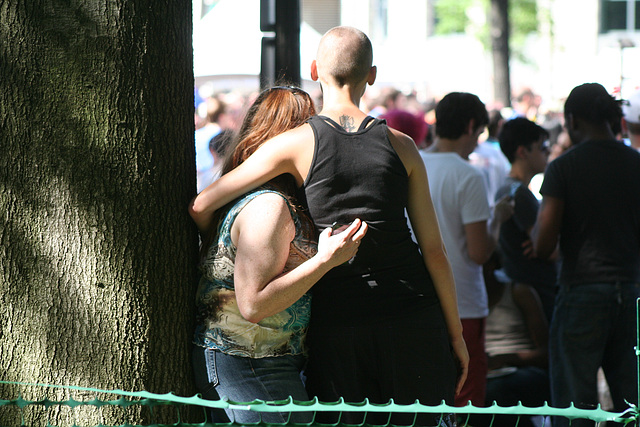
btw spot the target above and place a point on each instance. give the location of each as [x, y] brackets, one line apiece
[499, 29]
[97, 166]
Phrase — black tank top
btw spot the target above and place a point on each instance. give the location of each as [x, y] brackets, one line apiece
[359, 175]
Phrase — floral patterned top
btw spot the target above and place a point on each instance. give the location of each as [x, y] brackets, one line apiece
[220, 325]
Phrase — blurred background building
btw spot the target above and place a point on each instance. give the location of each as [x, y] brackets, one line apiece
[431, 47]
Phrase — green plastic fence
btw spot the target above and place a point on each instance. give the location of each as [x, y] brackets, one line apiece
[144, 398]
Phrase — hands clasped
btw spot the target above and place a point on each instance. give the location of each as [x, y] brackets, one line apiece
[339, 245]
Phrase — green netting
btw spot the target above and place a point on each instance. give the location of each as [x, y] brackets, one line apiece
[151, 400]
[145, 398]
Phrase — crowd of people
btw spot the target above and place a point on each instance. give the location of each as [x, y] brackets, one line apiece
[388, 249]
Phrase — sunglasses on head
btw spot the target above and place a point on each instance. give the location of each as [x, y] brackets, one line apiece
[291, 89]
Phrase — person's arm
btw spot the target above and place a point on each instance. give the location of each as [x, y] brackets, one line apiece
[284, 153]
[482, 236]
[427, 231]
[528, 301]
[546, 232]
[480, 245]
[262, 233]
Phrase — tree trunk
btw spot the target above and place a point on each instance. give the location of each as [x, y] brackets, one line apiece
[499, 30]
[96, 170]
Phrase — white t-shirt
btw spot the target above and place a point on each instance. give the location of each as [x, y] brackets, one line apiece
[459, 197]
[493, 165]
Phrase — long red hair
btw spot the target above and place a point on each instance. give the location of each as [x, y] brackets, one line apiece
[275, 110]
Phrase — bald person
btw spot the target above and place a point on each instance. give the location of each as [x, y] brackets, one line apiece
[384, 325]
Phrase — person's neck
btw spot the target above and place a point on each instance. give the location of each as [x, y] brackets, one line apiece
[598, 132]
[343, 111]
[339, 99]
[444, 145]
[521, 173]
[334, 111]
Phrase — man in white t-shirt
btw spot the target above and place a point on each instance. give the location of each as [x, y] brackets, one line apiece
[468, 229]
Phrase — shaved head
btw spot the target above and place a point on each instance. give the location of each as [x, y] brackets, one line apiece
[345, 56]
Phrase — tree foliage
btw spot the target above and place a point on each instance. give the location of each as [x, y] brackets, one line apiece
[452, 17]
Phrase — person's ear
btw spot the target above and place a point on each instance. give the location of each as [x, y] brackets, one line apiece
[471, 127]
[373, 72]
[570, 122]
[521, 152]
[624, 126]
[314, 71]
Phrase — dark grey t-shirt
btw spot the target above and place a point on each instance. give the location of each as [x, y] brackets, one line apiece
[538, 273]
[599, 182]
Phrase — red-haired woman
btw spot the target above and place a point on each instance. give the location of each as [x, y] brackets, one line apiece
[260, 260]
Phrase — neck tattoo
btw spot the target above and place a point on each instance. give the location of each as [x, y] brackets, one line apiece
[347, 123]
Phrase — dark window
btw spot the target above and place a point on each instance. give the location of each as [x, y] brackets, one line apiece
[615, 15]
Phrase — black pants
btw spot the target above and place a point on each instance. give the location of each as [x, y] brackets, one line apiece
[406, 359]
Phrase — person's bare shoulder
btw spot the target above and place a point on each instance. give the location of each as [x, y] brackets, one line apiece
[266, 216]
[405, 148]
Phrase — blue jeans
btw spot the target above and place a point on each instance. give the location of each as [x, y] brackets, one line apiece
[594, 325]
[243, 379]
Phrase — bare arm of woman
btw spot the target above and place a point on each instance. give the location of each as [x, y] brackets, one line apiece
[262, 233]
[289, 152]
[425, 226]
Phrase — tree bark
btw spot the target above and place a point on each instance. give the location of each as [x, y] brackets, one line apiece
[499, 30]
[96, 170]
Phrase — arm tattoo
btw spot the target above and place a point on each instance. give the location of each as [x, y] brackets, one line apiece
[347, 123]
